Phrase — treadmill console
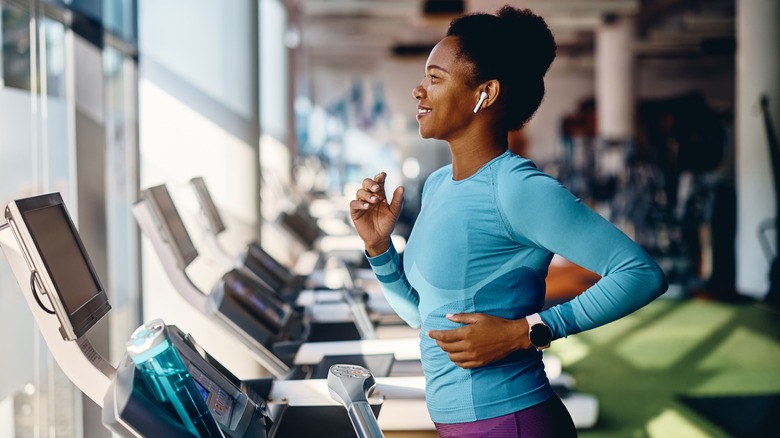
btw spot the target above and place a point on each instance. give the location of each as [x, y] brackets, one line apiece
[219, 402]
[61, 271]
[236, 409]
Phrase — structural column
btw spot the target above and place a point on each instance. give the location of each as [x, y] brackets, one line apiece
[758, 73]
[615, 79]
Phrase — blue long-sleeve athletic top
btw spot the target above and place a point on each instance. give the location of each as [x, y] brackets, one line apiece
[483, 244]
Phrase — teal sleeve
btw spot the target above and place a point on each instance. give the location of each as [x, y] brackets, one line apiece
[401, 296]
[541, 212]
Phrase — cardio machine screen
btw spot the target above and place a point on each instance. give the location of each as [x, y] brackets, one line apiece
[203, 393]
[207, 205]
[172, 224]
[66, 263]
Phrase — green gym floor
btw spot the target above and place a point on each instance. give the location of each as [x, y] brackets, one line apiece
[681, 368]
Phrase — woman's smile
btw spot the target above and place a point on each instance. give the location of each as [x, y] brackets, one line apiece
[422, 111]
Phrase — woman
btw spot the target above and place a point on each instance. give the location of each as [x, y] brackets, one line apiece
[473, 274]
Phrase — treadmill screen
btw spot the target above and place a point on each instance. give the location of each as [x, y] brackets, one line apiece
[62, 255]
[202, 390]
[207, 205]
[172, 224]
[65, 260]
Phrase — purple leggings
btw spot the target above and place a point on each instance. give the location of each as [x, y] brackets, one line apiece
[547, 419]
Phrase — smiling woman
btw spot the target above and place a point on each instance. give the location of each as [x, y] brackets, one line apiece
[444, 88]
[473, 274]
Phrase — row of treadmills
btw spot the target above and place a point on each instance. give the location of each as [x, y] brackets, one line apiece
[331, 371]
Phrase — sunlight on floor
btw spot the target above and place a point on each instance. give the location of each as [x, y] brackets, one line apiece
[670, 338]
[745, 362]
[569, 350]
[671, 423]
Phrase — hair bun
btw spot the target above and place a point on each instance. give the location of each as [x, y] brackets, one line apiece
[535, 40]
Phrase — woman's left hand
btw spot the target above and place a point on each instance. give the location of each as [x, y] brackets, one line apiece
[482, 340]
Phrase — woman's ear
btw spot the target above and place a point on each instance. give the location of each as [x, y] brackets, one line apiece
[488, 95]
[493, 89]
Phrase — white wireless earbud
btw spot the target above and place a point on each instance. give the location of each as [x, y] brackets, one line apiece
[482, 98]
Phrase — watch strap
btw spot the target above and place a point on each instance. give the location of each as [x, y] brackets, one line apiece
[533, 320]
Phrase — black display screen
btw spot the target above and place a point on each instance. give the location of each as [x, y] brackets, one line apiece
[207, 205]
[62, 255]
[172, 224]
[66, 264]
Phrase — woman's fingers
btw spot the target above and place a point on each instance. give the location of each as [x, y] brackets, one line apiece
[357, 204]
[375, 185]
[371, 185]
[370, 193]
[364, 195]
[372, 190]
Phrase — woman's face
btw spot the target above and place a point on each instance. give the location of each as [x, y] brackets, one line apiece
[445, 101]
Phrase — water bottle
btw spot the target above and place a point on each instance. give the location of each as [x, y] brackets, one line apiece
[168, 379]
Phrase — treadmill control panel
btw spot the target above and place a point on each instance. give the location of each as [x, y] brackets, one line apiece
[219, 402]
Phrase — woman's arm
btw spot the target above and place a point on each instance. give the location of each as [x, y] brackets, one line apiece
[544, 213]
[374, 218]
[401, 296]
[537, 210]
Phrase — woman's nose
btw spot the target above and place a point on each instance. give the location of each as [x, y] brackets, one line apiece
[417, 92]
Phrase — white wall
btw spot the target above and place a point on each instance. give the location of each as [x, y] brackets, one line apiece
[198, 117]
[274, 76]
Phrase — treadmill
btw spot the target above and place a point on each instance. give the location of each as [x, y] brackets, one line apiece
[254, 258]
[67, 299]
[305, 290]
[274, 331]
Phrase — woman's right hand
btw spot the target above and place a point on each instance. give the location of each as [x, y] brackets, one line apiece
[373, 216]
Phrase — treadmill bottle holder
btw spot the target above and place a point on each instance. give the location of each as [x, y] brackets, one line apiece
[237, 411]
[171, 383]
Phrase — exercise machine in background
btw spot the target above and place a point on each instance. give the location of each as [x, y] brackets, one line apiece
[330, 270]
[67, 299]
[169, 227]
[277, 334]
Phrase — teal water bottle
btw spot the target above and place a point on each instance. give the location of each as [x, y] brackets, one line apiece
[168, 379]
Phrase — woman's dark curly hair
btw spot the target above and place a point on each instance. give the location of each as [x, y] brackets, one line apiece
[515, 47]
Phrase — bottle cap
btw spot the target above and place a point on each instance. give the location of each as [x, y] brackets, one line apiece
[147, 341]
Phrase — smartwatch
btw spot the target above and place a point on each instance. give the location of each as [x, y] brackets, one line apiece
[540, 334]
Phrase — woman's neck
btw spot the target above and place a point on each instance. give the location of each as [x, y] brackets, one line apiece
[470, 155]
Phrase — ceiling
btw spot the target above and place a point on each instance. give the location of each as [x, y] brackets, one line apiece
[370, 29]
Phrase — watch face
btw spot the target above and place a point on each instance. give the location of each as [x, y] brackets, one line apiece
[541, 335]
